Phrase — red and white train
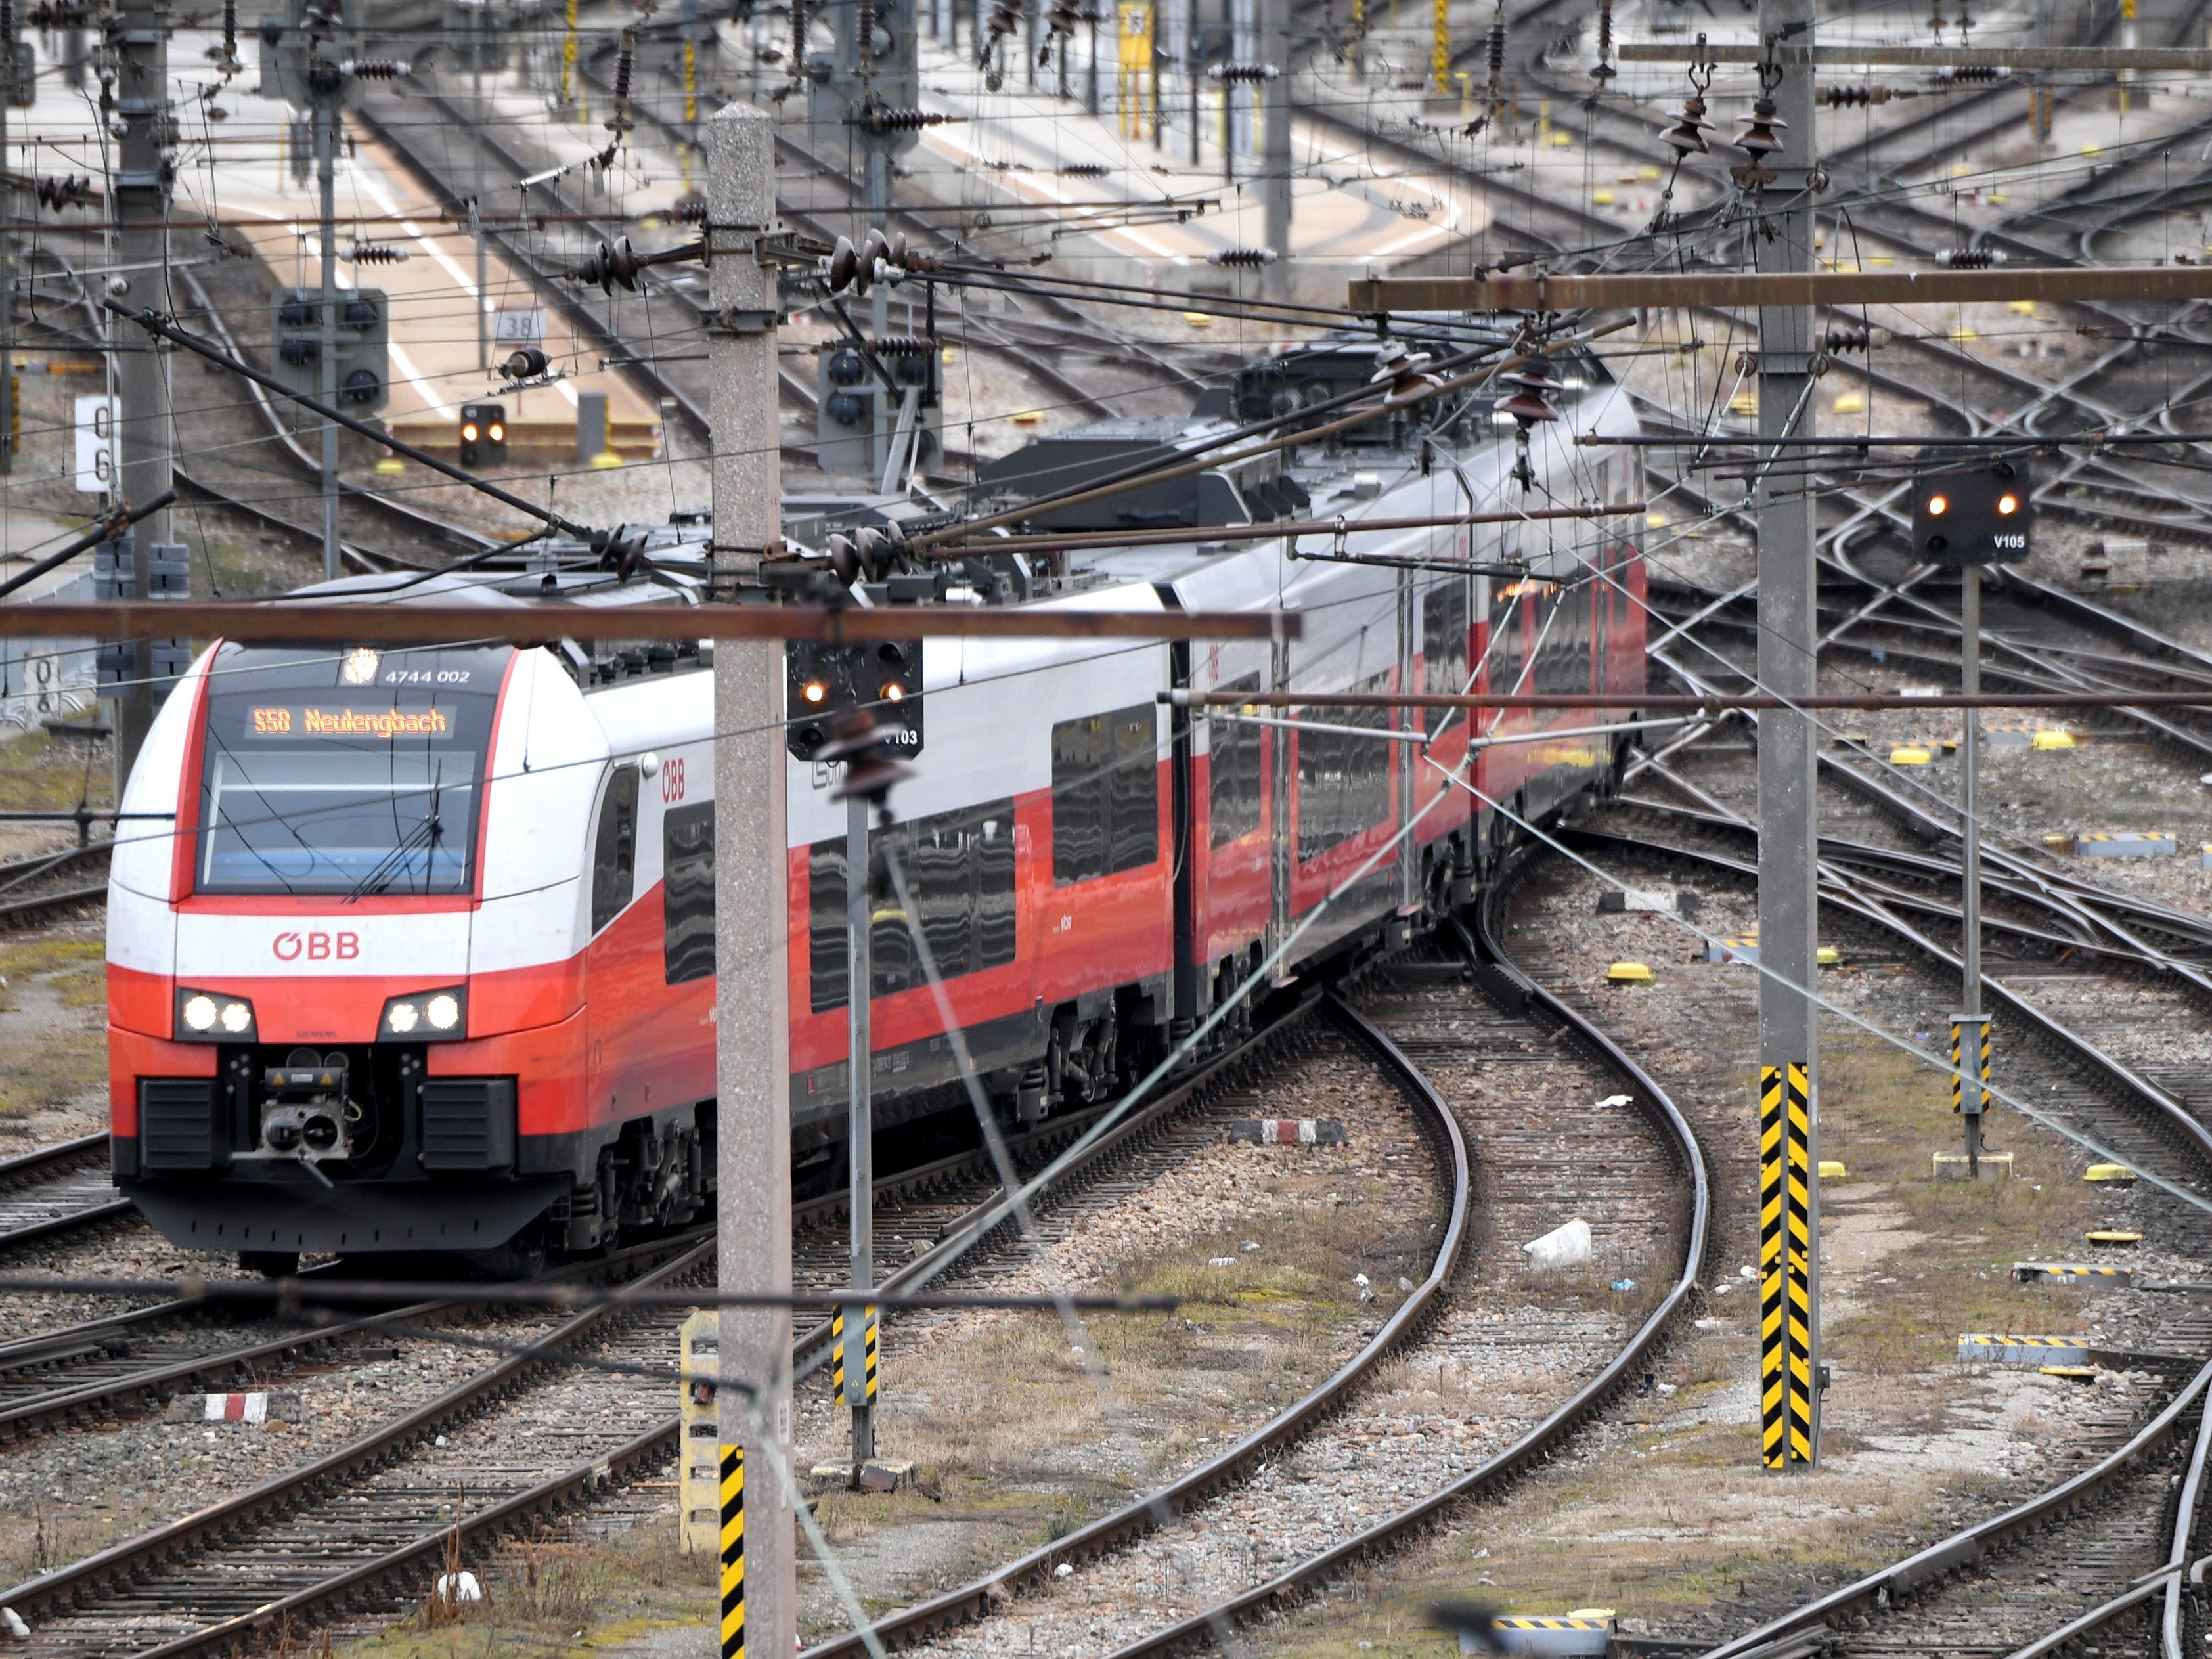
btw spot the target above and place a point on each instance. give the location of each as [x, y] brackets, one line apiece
[428, 963]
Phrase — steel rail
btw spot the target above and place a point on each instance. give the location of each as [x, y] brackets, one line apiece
[1540, 1442]
[1135, 1519]
[574, 1485]
[48, 1162]
[286, 1492]
[1967, 1547]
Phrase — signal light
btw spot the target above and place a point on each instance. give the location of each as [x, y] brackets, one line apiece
[483, 434]
[893, 692]
[816, 693]
[1983, 516]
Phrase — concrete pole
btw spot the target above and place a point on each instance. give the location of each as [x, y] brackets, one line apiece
[139, 203]
[860, 1124]
[326, 163]
[1789, 1018]
[752, 897]
[1275, 138]
[475, 218]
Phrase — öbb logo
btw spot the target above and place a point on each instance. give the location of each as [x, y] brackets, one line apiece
[316, 947]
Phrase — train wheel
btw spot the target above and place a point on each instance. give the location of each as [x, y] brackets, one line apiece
[270, 1264]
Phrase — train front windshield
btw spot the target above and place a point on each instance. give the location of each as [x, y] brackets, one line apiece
[347, 772]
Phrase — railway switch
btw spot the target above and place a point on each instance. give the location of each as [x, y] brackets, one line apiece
[1983, 516]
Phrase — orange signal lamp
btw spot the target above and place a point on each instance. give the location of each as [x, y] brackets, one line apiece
[894, 692]
[814, 691]
[468, 433]
[1938, 505]
[2007, 504]
[498, 433]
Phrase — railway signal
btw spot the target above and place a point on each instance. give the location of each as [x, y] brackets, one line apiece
[483, 434]
[361, 331]
[1983, 516]
[1967, 518]
[825, 683]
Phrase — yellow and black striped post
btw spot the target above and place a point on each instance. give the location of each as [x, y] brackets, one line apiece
[1960, 1065]
[733, 1553]
[1785, 1266]
[869, 1333]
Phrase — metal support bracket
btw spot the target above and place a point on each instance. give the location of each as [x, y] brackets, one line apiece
[739, 320]
[1813, 364]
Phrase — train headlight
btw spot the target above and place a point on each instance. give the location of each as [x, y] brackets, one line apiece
[425, 1016]
[211, 1017]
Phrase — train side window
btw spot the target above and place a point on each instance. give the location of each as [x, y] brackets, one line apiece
[959, 870]
[1134, 789]
[825, 925]
[1343, 777]
[687, 890]
[1444, 637]
[1506, 646]
[1233, 767]
[1105, 793]
[614, 853]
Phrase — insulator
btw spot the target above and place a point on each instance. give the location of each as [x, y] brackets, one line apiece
[1529, 405]
[1241, 75]
[798, 37]
[375, 69]
[1967, 75]
[1405, 373]
[1086, 170]
[71, 190]
[525, 364]
[1245, 259]
[230, 31]
[1759, 141]
[864, 29]
[691, 210]
[875, 118]
[1005, 18]
[902, 345]
[1970, 258]
[1758, 135]
[1688, 136]
[609, 266]
[1604, 70]
[1856, 97]
[1494, 52]
[1848, 339]
[1059, 24]
[377, 254]
[624, 63]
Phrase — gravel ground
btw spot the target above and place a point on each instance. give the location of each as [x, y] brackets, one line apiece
[63, 1495]
[1661, 1509]
[1264, 1244]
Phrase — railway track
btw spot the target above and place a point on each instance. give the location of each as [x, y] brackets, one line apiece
[1265, 1517]
[56, 1190]
[2027, 1577]
[353, 1530]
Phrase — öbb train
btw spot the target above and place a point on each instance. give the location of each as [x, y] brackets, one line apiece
[428, 963]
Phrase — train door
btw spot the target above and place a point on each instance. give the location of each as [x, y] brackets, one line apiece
[616, 957]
